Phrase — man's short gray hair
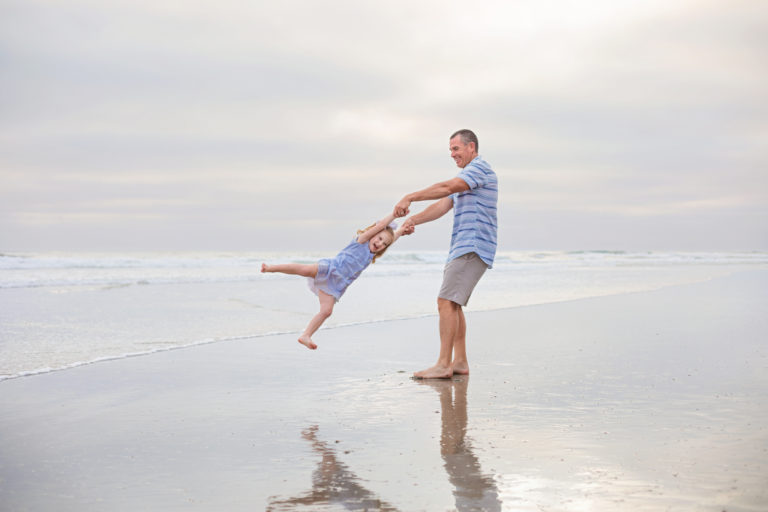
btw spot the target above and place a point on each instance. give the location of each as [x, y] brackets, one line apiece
[467, 136]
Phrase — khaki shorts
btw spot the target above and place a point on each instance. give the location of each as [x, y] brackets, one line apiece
[460, 277]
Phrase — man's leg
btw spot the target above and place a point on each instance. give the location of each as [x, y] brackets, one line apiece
[451, 321]
[459, 279]
[460, 364]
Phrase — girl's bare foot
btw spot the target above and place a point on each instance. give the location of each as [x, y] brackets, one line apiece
[307, 342]
[264, 267]
[436, 372]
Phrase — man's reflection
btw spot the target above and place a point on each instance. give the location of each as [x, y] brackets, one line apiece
[472, 489]
[332, 484]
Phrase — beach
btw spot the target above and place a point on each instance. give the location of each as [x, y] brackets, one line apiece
[651, 400]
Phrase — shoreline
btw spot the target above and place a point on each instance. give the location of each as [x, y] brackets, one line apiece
[209, 341]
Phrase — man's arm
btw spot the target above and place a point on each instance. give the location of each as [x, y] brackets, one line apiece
[439, 190]
[430, 213]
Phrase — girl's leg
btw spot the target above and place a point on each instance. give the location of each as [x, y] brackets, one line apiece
[326, 308]
[299, 269]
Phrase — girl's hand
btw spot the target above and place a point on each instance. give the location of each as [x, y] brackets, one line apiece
[408, 227]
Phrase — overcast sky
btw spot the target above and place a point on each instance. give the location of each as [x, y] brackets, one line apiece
[250, 125]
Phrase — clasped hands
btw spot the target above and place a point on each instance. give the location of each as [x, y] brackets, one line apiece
[401, 210]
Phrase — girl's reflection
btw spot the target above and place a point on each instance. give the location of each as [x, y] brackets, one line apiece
[472, 489]
[332, 484]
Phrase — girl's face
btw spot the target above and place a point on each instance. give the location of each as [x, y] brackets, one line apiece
[380, 241]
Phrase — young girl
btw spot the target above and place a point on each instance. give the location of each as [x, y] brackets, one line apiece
[330, 277]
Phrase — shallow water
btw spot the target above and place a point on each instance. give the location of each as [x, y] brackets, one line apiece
[64, 310]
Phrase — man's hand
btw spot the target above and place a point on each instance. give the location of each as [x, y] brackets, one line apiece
[408, 227]
[402, 208]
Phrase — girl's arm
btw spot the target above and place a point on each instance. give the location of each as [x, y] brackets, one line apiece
[364, 237]
[400, 231]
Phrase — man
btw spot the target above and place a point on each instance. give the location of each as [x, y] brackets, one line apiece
[472, 195]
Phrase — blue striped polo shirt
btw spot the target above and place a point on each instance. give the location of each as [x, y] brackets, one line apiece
[474, 213]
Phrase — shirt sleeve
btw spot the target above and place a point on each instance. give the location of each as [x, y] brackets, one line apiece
[473, 176]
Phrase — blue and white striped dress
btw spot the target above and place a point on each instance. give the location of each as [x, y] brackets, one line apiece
[474, 213]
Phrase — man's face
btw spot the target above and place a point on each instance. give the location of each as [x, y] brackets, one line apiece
[462, 153]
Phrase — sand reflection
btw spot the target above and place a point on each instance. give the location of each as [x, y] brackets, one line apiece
[473, 490]
[332, 484]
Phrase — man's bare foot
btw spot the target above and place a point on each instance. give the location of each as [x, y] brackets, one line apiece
[265, 267]
[461, 368]
[436, 372]
[307, 342]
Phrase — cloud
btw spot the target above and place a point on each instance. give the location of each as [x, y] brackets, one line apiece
[241, 116]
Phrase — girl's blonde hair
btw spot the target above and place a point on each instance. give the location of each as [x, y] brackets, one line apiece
[388, 230]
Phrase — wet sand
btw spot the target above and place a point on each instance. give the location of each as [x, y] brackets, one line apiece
[648, 401]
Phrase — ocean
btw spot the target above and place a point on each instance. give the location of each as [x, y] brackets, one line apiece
[60, 310]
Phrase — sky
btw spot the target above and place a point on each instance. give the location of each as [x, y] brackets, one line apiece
[268, 126]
